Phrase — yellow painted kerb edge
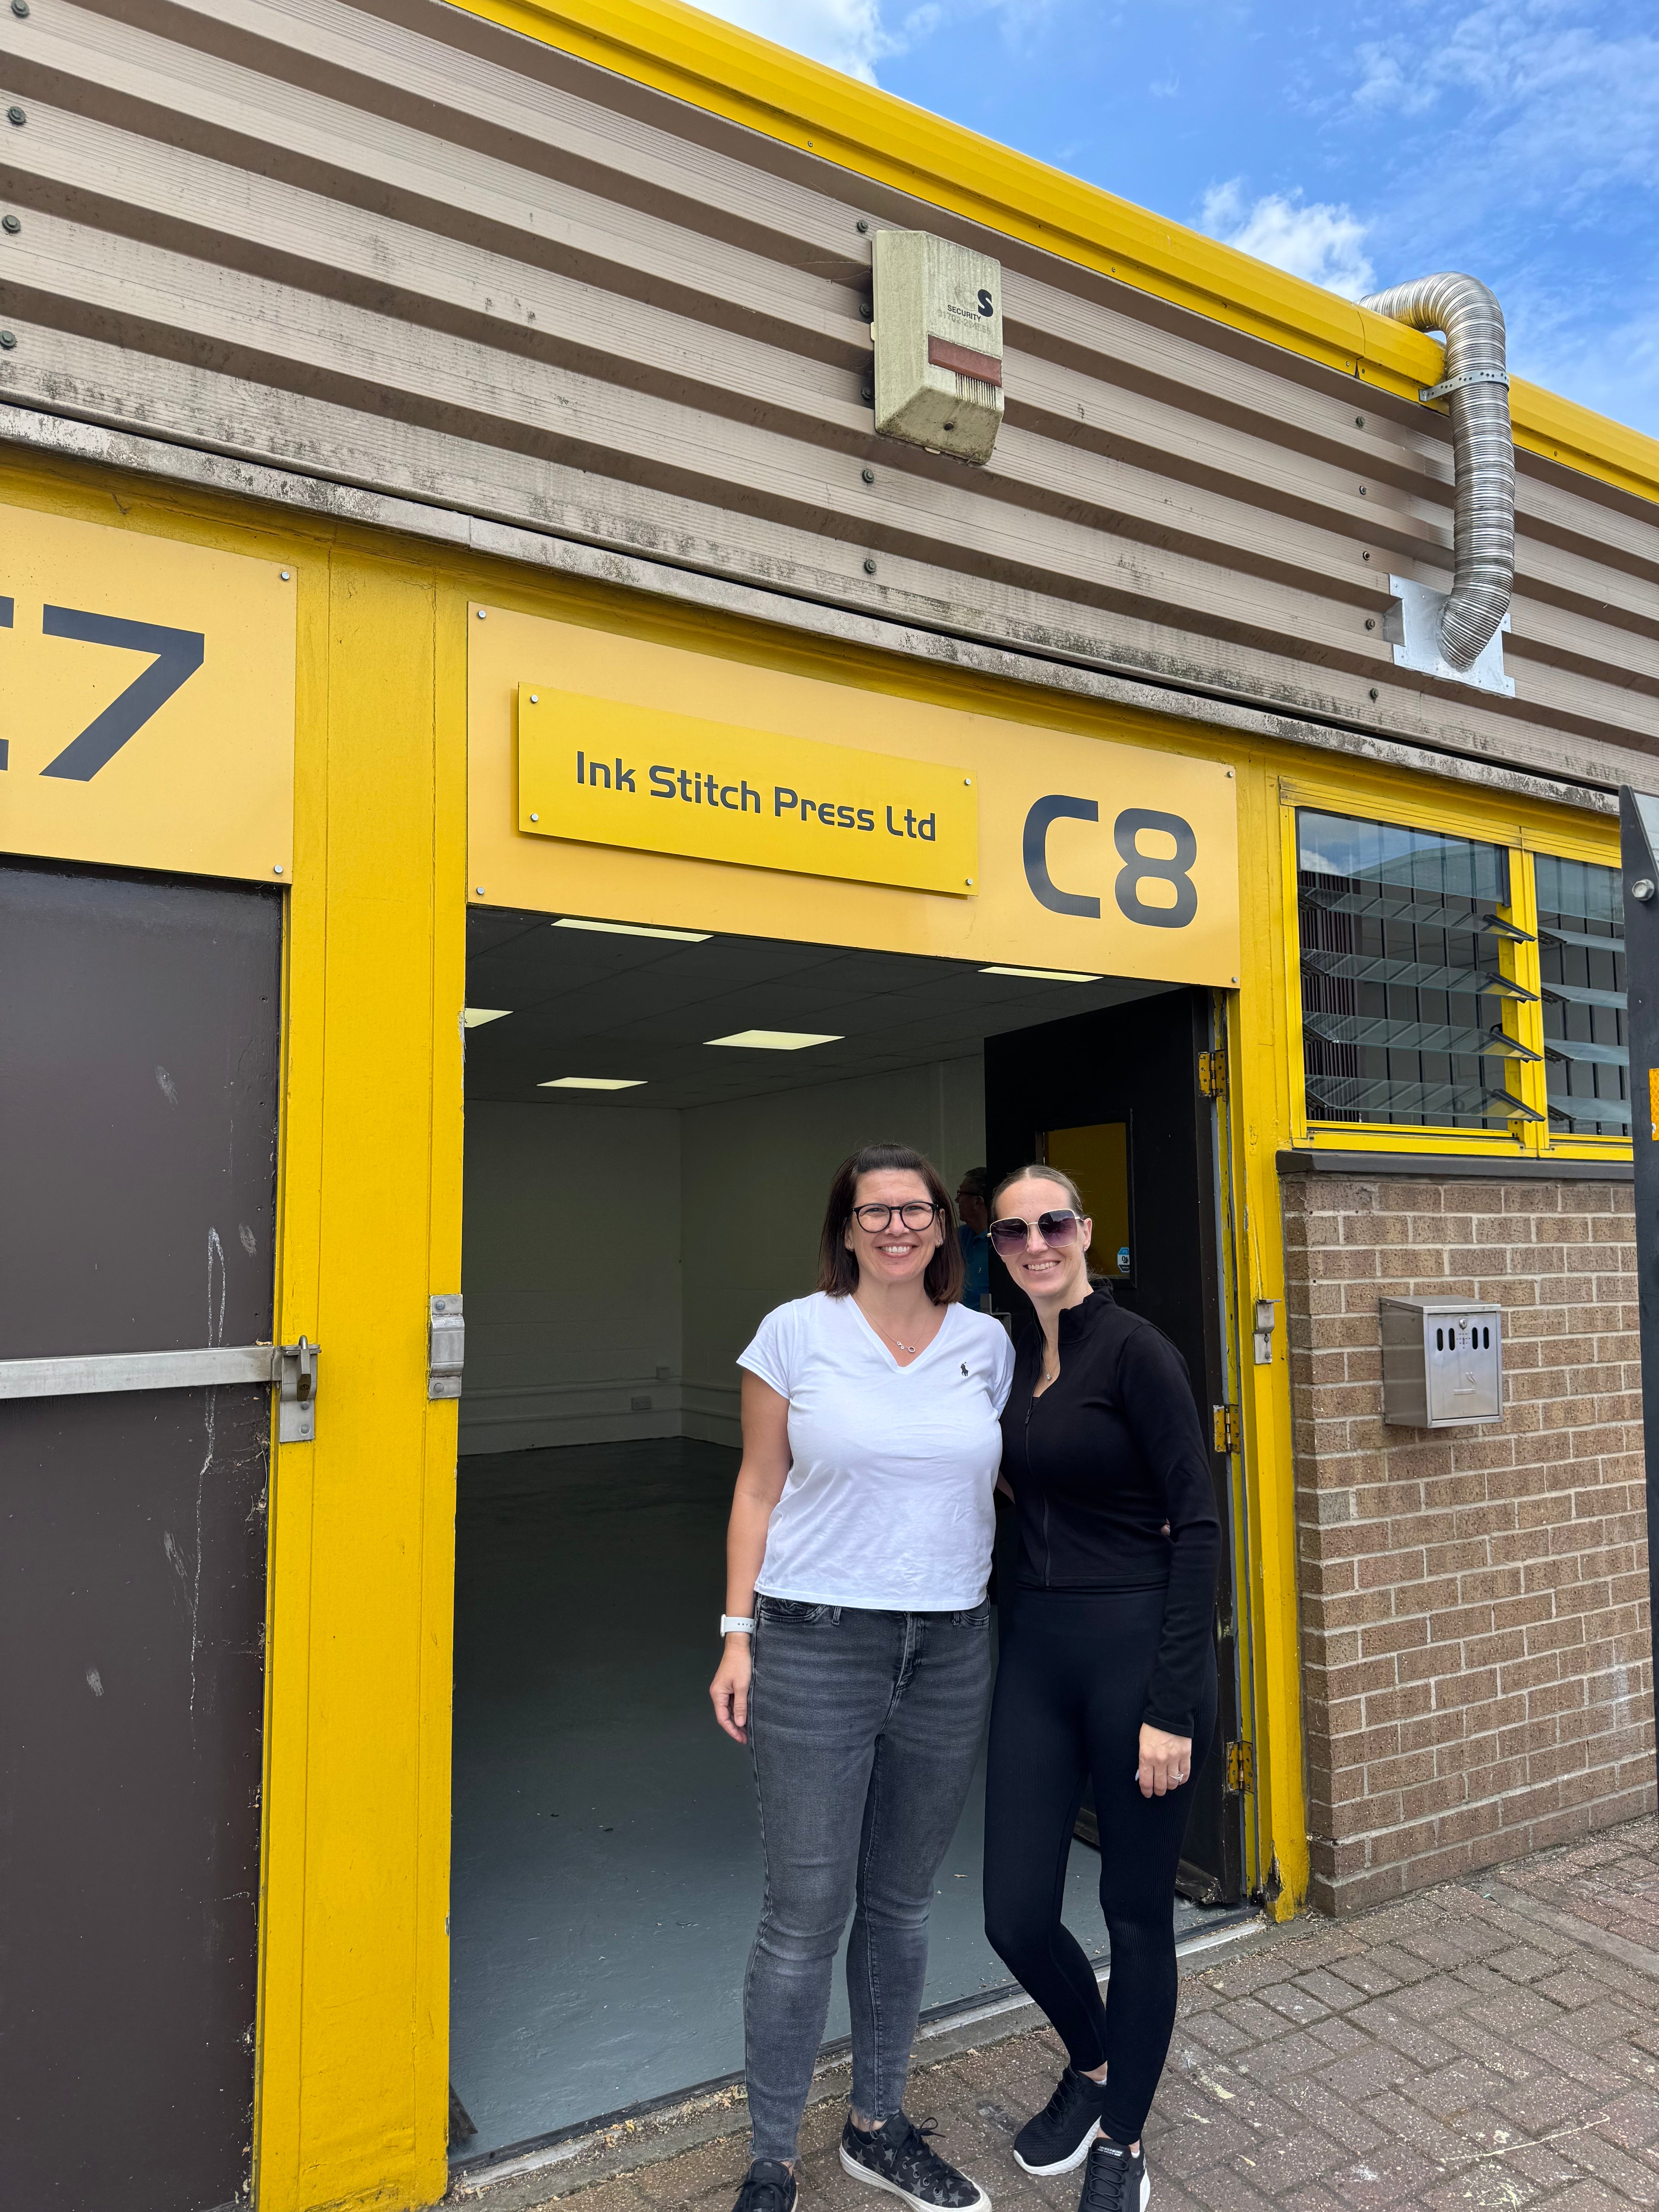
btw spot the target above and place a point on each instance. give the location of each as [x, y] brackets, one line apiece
[709, 64]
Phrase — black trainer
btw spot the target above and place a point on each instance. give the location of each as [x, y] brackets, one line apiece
[1058, 2137]
[768, 2186]
[898, 2156]
[1115, 2180]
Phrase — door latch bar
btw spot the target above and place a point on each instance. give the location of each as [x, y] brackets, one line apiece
[292, 1367]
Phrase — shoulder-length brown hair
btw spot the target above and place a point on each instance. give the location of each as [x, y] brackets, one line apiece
[838, 1271]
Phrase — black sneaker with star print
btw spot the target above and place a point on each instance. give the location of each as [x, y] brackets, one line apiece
[898, 2157]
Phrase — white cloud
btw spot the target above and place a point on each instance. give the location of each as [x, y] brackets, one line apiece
[1318, 240]
[849, 34]
[1558, 105]
[852, 34]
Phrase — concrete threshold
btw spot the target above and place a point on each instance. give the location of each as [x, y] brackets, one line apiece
[517, 2183]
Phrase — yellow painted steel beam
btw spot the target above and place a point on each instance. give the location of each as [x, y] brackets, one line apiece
[355, 1998]
[1258, 1077]
[711, 65]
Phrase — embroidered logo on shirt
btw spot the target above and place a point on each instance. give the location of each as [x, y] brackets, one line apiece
[965, 1366]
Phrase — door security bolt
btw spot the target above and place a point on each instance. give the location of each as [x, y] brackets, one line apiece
[1265, 1311]
[445, 1346]
[296, 1402]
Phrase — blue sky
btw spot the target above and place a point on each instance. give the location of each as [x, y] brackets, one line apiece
[1357, 145]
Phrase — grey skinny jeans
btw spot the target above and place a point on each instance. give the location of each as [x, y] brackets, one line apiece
[863, 1727]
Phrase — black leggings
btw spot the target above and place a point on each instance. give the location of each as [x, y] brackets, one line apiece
[1071, 1684]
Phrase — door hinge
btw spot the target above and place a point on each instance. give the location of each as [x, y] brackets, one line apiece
[1213, 1073]
[1228, 1437]
[1241, 1768]
[445, 1346]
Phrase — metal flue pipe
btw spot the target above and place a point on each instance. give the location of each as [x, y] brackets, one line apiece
[1476, 383]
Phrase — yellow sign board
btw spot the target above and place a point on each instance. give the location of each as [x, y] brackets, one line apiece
[610, 773]
[1094, 856]
[146, 701]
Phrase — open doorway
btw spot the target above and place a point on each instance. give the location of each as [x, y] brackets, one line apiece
[653, 1118]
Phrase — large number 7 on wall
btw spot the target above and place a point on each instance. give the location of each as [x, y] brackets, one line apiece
[178, 655]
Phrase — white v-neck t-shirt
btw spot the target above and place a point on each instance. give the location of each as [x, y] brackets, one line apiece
[888, 1504]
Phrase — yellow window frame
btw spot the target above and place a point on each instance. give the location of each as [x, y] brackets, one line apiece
[1598, 852]
[1453, 815]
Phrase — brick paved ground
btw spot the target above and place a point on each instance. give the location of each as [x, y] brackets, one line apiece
[1493, 2043]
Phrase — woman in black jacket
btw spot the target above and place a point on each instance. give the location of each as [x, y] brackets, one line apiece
[1107, 1674]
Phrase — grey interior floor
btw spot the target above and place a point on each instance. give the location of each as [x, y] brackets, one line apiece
[606, 1873]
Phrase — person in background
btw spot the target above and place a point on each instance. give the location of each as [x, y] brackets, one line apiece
[858, 1653]
[1106, 1674]
[973, 1204]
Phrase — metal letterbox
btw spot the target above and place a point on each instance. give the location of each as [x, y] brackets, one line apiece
[1443, 1362]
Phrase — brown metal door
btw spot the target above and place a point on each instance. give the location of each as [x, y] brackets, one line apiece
[138, 1088]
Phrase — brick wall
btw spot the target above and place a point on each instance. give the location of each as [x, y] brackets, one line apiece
[1478, 1677]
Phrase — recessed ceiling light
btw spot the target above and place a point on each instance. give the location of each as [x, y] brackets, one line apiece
[635, 929]
[475, 1016]
[774, 1040]
[593, 1082]
[1044, 974]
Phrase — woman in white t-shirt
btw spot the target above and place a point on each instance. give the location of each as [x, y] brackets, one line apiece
[857, 1662]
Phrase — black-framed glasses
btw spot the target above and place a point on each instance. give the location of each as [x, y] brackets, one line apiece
[1056, 1230]
[915, 1213]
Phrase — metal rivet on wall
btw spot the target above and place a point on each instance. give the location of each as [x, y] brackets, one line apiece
[1371, 622]
[20, 9]
[869, 475]
[11, 223]
[8, 340]
[869, 567]
[15, 115]
[862, 227]
[1374, 691]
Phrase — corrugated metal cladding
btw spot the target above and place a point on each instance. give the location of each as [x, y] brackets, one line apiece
[393, 245]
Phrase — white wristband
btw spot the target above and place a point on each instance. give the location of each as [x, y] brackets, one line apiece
[731, 1623]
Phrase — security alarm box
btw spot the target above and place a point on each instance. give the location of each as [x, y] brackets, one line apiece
[938, 335]
[1443, 1362]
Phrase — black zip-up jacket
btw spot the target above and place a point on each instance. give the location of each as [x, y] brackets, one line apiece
[1111, 1452]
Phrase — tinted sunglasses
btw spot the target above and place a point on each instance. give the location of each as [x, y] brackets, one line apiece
[1056, 1230]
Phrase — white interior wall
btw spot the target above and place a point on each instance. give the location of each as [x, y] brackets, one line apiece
[571, 1273]
[616, 1258]
[755, 1176]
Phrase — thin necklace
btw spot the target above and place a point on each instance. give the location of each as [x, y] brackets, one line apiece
[904, 1347]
